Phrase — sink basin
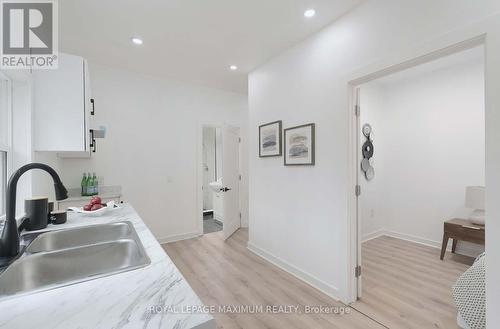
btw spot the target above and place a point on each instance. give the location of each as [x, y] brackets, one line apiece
[65, 257]
[62, 239]
[216, 186]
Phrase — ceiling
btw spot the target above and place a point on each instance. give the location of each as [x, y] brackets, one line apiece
[191, 40]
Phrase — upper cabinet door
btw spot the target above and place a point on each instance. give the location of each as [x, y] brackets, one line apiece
[59, 105]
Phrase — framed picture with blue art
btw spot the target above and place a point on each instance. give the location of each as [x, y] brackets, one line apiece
[270, 144]
[300, 145]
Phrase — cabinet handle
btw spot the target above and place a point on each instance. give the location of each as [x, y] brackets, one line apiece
[92, 111]
[92, 141]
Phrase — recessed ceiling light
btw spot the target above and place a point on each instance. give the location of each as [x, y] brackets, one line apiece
[233, 67]
[309, 13]
[136, 41]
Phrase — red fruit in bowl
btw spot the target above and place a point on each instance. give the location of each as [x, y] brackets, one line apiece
[96, 207]
[87, 207]
[95, 200]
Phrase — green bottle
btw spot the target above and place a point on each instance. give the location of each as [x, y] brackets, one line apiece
[89, 185]
[84, 184]
[95, 184]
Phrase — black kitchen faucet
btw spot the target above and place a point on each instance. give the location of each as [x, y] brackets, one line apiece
[9, 241]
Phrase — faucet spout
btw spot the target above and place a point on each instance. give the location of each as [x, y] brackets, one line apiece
[9, 240]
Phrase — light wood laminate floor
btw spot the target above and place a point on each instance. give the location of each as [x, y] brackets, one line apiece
[405, 285]
[229, 274]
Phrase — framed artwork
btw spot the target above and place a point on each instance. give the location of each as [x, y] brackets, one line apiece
[270, 144]
[299, 145]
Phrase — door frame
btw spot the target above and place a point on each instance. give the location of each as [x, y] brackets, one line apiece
[199, 171]
[412, 58]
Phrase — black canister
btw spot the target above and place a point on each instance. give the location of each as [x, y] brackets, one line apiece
[58, 217]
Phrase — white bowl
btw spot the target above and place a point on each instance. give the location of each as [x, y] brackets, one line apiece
[110, 206]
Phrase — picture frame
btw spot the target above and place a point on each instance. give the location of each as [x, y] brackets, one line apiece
[300, 145]
[270, 139]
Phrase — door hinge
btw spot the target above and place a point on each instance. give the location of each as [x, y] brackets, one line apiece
[240, 177]
[358, 190]
[357, 110]
[357, 271]
[239, 139]
[240, 215]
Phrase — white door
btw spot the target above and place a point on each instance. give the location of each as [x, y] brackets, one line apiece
[230, 179]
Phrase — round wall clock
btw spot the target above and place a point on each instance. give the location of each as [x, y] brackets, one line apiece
[367, 130]
[367, 149]
[370, 173]
[365, 164]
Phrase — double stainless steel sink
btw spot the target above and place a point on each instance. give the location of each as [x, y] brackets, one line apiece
[64, 257]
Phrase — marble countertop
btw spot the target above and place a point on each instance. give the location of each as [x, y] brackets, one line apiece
[123, 300]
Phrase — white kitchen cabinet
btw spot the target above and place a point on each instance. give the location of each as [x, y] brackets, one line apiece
[61, 107]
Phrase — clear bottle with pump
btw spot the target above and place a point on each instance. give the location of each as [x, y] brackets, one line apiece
[90, 187]
[84, 184]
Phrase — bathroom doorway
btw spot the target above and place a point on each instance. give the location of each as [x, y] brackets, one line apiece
[219, 180]
[212, 180]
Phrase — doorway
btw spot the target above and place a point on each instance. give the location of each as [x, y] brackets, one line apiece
[420, 147]
[219, 180]
[213, 219]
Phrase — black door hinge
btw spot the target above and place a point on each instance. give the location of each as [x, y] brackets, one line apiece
[357, 271]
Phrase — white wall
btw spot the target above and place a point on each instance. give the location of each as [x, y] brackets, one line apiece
[299, 216]
[429, 142]
[218, 153]
[372, 105]
[21, 139]
[151, 144]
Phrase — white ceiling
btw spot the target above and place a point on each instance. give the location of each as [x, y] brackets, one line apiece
[191, 40]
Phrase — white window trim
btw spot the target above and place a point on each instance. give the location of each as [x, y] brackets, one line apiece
[8, 147]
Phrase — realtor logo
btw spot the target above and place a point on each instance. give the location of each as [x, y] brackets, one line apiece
[29, 34]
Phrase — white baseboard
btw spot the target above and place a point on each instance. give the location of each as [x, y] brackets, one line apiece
[178, 237]
[327, 289]
[373, 235]
[462, 248]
